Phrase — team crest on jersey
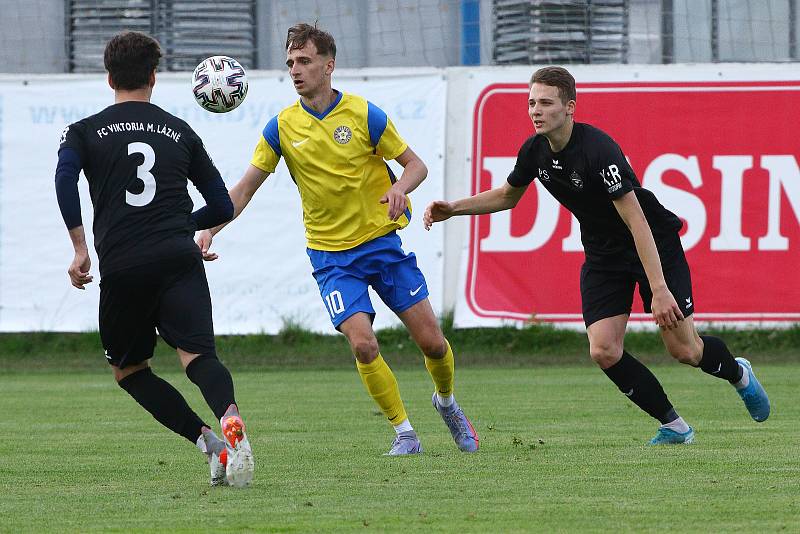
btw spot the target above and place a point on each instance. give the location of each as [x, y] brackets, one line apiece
[576, 180]
[342, 135]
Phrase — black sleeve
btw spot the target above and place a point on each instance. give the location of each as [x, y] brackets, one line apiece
[206, 178]
[74, 137]
[67, 173]
[523, 173]
[218, 208]
[201, 168]
[618, 176]
[71, 154]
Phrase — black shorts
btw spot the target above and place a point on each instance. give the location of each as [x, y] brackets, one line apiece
[609, 292]
[171, 295]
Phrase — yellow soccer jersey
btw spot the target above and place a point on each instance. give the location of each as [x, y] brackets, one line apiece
[336, 158]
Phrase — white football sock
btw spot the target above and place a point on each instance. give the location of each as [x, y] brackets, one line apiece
[678, 425]
[445, 401]
[745, 381]
[208, 442]
[201, 444]
[405, 426]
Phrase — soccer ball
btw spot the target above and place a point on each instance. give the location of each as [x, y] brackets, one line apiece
[219, 84]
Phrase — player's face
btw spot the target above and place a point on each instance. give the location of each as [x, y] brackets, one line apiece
[310, 71]
[546, 110]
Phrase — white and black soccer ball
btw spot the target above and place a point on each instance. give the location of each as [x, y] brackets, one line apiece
[219, 84]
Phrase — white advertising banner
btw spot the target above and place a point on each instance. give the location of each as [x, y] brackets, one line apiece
[262, 279]
[692, 137]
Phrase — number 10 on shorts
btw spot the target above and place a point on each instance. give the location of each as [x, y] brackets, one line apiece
[334, 302]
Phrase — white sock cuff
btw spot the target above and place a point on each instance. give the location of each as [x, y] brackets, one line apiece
[745, 381]
[404, 426]
[201, 444]
[678, 425]
[445, 401]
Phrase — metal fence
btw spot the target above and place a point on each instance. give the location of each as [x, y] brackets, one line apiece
[188, 30]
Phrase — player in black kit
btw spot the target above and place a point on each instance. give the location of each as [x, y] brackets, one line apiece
[629, 238]
[136, 158]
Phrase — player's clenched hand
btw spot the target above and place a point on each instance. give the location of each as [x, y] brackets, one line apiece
[396, 199]
[79, 270]
[438, 210]
[666, 312]
[204, 239]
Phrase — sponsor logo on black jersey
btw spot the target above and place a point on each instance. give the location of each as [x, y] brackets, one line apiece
[576, 180]
[543, 176]
[557, 165]
[611, 177]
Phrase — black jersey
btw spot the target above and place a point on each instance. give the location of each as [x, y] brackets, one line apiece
[137, 158]
[585, 177]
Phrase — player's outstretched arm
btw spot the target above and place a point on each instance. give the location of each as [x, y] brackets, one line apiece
[498, 199]
[666, 312]
[437, 211]
[414, 172]
[241, 194]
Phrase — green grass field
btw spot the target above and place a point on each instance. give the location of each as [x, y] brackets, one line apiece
[561, 450]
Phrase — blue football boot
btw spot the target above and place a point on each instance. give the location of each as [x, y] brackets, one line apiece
[667, 436]
[754, 397]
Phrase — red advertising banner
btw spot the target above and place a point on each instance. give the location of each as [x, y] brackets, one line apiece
[722, 156]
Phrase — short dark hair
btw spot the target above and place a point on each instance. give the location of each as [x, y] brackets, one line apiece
[299, 34]
[130, 58]
[559, 78]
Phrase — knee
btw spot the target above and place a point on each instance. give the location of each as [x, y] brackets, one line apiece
[433, 347]
[188, 358]
[365, 349]
[687, 353]
[121, 374]
[605, 354]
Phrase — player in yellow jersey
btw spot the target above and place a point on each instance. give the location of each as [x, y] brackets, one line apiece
[335, 146]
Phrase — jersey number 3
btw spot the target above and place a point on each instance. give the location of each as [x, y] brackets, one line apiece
[143, 173]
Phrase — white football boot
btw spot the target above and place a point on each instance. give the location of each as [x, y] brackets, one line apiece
[240, 464]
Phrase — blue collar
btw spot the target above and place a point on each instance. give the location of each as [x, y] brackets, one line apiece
[324, 113]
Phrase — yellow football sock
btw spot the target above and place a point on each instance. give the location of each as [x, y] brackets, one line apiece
[442, 371]
[382, 386]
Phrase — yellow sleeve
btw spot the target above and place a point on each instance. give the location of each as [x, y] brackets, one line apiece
[264, 157]
[390, 144]
[268, 150]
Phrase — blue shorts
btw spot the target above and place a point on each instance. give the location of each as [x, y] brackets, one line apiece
[344, 276]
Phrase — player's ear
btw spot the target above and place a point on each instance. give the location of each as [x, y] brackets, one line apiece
[329, 66]
[571, 107]
[152, 80]
[111, 82]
